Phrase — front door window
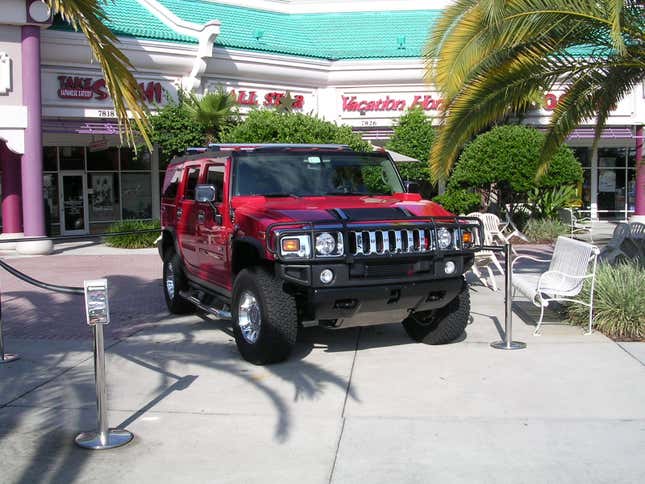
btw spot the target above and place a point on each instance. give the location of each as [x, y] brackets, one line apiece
[73, 206]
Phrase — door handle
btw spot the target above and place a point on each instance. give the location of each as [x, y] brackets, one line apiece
[179, 212]
[201, 216]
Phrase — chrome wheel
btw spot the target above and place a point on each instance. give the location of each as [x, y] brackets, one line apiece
[249, 317]
[170, 280]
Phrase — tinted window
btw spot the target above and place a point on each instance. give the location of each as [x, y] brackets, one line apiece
[215, 177]
[171, 189]
[191, 183]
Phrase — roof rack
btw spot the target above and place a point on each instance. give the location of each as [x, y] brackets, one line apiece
[264, 146]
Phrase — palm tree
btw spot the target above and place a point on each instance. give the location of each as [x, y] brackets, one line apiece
[214, 110]
[89, 17]
[491, 58]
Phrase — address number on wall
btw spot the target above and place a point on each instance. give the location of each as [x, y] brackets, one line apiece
[106, 113]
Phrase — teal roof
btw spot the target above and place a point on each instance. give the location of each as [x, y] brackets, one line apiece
[348, 35]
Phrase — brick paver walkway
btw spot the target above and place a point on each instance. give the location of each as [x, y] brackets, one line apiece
[136, 297]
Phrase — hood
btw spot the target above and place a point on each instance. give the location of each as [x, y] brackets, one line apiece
[352, 208]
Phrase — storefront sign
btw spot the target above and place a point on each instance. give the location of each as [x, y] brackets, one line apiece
[71, 87]
[270, 99]
[356, 104]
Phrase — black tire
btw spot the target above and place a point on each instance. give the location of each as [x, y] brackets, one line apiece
[173, 270]
[278, 324]
[442, 325]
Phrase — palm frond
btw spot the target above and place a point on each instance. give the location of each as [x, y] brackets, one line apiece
[89, 17]
[490, 59]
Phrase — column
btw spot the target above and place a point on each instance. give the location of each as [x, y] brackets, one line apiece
[594, 184]
[11, 200]
[639, 213]
[33, 208]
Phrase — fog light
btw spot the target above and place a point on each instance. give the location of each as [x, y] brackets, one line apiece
[449, 268]
[326, 276]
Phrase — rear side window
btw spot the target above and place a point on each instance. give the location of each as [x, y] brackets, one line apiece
[191, 183]
[215, 177]
[171, 188]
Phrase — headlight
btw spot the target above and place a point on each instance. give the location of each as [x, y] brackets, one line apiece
[444, 238]
[295, 246]
[325, 244]
[329, 244]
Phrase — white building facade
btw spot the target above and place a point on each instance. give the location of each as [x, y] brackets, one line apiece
[357, 63]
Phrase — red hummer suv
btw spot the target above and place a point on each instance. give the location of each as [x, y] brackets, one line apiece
[278, 237]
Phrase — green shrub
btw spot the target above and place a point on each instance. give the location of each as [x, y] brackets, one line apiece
[174, 129]
[270, 126]
[459, 201]
[504, 161]
[546, 203]
[134, 241]
[619, 302]
[544, 230]
[413, 135]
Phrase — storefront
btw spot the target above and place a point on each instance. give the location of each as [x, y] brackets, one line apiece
[89, 179]
[358, 64]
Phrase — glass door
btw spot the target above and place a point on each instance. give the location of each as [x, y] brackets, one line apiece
[73, 196]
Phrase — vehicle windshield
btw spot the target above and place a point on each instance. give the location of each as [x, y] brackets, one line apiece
[284, 174]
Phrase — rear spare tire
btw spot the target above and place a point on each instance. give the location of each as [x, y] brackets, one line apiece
[265, 320]
[442, 325]
[174, 281]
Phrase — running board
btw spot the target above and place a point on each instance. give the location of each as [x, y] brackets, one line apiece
[215, 312]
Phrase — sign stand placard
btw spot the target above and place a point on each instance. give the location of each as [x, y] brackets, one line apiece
[98, 314]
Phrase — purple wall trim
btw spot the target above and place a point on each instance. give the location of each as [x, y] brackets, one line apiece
[32, 161]
[640, 173]
[11, 200]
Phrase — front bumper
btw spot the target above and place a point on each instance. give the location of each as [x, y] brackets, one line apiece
[388, 303]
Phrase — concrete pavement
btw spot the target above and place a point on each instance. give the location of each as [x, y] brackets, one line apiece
[352, 405]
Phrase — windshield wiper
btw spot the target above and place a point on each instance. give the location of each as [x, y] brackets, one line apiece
[278, 195]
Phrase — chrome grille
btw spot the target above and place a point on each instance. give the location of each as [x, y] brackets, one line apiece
[403, 241]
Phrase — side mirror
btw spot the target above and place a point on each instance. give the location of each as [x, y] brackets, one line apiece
[411, 187]
[205, 193]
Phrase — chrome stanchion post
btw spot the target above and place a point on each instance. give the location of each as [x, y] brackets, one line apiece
[4, 357]
[508, 343]
[96, 305]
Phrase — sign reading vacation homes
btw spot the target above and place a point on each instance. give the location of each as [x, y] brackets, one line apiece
[364, 104]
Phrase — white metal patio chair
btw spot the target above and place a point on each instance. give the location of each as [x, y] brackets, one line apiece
[613, 250]
[564, 279]
[484, 258]
[576, 225]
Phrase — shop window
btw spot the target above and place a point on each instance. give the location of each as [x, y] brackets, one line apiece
[50, 158]
[52, 207]
[107, 159]
[72, 158]
[585, 194]
[103, 190]
[131, 161]
[191, 183]
[612, 180]
[583, 155]
[136, 195]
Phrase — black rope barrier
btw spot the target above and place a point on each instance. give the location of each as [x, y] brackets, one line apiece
[43, 285]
